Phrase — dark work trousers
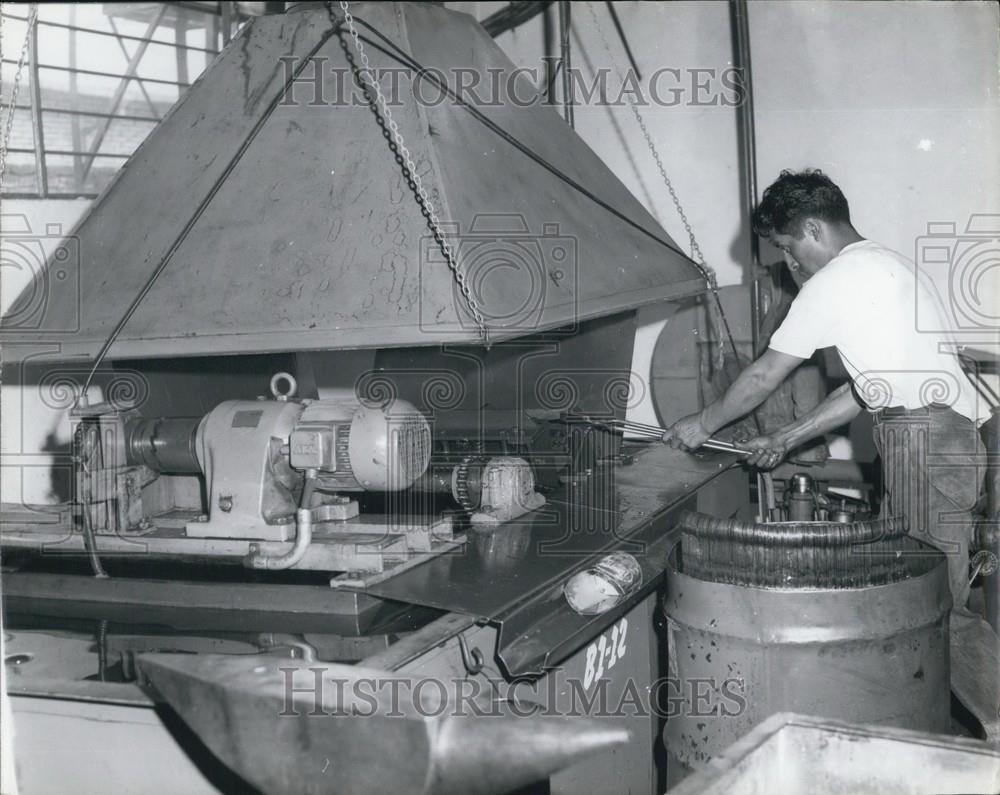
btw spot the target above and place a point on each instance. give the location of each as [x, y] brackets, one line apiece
[933, 463]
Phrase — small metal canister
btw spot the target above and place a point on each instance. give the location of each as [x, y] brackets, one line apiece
[800, 499]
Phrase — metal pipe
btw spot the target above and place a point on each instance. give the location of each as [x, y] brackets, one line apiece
[303, 538]
[123, 84]
[67, 153]
[74, 92]
[624, 40]
[165, 444]
[36, 115]
[94, 31]
[96, 73]
[89, 442]
[200, 209]
[748, 155]
[303, 534]
[567, 82]
[766, 503]
[142, 86]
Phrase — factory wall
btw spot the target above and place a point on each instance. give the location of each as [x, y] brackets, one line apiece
[897, 102]
[34, 426]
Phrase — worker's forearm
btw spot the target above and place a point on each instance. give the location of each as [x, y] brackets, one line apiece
[748, 391]
[839, 408]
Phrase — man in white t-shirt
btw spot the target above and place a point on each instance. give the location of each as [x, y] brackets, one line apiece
[863, 299]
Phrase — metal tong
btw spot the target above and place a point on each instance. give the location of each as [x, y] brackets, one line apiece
[655, 433]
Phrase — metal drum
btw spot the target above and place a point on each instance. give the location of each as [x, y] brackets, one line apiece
[739, 652]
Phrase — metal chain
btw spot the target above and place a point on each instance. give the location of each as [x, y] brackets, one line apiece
[696, 254]
[9, 123]
[368, 75]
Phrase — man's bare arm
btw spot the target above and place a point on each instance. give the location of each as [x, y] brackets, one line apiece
[750, 389]
[747, 392]
[838, 408]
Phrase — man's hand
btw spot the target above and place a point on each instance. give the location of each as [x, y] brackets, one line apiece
[687, 433]
[769, 451]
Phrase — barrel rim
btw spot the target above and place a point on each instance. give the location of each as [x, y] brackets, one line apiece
[808, 615]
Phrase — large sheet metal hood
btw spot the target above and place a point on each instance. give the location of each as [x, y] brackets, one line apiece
[313, 240]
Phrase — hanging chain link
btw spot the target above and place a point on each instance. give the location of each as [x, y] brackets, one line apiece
[9, 122]
[696, 254]
[370, 79]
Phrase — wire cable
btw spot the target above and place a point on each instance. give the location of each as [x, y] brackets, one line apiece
[401, 56]
[199, 211]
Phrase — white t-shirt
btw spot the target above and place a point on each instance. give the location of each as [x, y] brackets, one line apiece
[865, 303]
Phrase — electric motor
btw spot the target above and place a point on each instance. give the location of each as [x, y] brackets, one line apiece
[356, 447]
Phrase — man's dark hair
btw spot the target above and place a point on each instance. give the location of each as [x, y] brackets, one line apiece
[795, 196]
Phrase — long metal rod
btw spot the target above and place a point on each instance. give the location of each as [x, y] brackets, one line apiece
[656, 432]
[74, 91]
[67, 152]
[94, 113]
[96, 73]
[70, 195]
[196, 216]
[142, 86]
[119, 95]
[748, 152]
[226, 9]
[621, 35]
[567, 81]
[96, 32]
[38, 132]
[180, 32]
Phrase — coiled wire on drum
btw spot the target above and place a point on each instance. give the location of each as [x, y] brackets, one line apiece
[795, 554]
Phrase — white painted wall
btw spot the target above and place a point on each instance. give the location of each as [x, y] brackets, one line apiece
[897, 101]
[29, 424]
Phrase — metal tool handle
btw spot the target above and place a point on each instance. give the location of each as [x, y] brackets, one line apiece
[727, 447]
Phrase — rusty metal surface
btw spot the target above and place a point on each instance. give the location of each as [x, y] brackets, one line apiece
[876, 654]
[314, 240]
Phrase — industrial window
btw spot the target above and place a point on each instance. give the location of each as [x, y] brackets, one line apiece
[97, 78]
